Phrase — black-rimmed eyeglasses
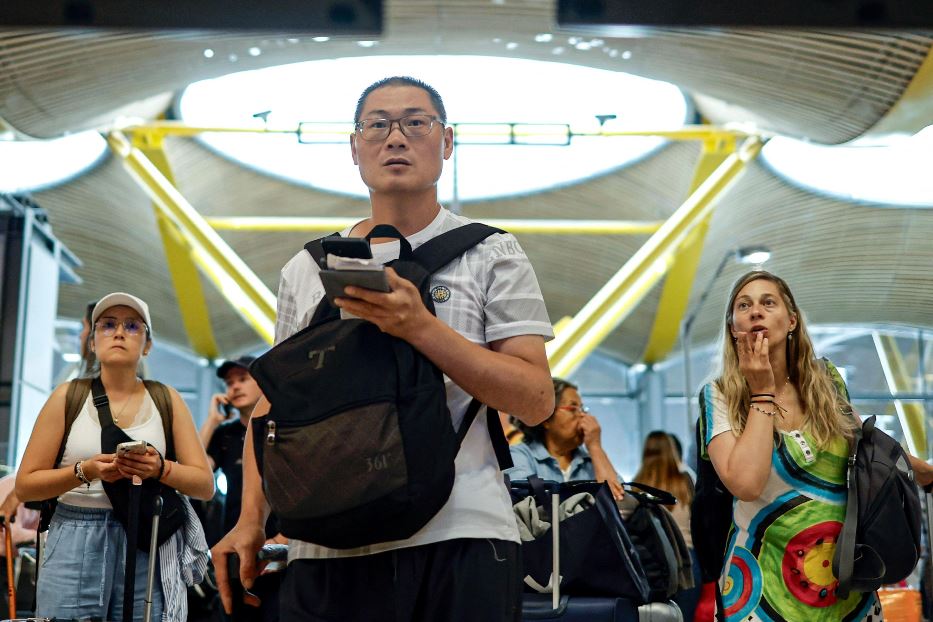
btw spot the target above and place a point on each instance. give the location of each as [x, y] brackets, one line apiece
[412, 125]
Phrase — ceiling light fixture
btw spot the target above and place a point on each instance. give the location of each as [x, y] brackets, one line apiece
[753, 255]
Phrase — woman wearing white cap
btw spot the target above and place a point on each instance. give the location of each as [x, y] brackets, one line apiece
[82, 569]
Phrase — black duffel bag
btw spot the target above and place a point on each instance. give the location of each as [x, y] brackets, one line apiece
[597, 557]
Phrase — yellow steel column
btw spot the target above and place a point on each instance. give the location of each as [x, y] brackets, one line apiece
[612, 304]
[233, 278]
[679, 281]
[188, 289]
[911, 415]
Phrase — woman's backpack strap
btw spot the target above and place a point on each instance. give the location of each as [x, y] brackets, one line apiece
[78, 391]
[163, 400]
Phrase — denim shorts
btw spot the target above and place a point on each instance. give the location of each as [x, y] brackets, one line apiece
[82, 568]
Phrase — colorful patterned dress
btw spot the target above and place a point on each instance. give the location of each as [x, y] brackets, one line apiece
[779, 554]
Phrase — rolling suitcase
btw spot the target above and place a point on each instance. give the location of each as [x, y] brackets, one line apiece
[556, 608]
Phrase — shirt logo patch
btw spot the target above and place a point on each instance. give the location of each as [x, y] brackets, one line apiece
[440, 293]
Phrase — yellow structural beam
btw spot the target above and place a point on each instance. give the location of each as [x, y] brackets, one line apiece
[492, 130]
[612, 304]
[542, 226]
[911, 414]
[188, 289]
[676, 291]
[232, 277]
[160, 129]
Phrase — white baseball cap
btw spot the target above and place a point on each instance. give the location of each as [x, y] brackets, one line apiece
[122, 299]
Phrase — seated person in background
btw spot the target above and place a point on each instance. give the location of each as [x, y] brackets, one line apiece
[566, 446]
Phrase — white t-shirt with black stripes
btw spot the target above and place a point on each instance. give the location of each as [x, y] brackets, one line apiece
[487, 294]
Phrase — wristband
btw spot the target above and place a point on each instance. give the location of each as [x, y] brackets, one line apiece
[161, 467]
[162, 476]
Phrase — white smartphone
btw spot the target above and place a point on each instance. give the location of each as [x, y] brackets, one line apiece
[131, 447]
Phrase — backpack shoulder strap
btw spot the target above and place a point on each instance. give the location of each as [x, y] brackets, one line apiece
[441, 250]
[434, 255]
[78, 390]
[163, 401]
[316, 249]
[499, 443]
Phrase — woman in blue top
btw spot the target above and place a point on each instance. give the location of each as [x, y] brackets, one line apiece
[566, 446]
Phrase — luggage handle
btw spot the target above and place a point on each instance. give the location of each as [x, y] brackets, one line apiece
[650, 493]
[153, 551]
[11, 581]
[555, 551]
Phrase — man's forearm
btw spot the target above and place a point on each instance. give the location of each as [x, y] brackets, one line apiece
[254, 507]
[500, 380]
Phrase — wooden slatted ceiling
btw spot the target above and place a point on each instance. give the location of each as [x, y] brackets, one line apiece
[827, 86]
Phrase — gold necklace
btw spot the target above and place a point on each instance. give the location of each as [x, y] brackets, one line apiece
[116, 418]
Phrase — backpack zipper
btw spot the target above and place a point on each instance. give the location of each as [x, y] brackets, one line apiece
[270, 433]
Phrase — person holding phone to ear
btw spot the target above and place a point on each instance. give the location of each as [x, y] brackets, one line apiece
[223, 431]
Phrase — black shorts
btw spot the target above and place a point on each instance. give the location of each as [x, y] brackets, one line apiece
[467, 580]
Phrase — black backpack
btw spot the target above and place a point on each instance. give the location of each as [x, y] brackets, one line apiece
[646, 520]
[358, 446]
[880, 539]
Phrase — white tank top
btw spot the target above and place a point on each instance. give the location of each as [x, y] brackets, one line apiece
[84, 442]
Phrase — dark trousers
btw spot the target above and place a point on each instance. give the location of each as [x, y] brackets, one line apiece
[463, 580]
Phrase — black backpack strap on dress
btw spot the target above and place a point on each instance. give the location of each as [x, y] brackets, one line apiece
[441, 250]
[844, 562]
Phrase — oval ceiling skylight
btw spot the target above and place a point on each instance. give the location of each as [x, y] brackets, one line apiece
[31, 165]
[895, 173]
[544, 97]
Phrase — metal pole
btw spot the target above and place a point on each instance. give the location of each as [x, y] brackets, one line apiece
[685, 331]
[688, 383]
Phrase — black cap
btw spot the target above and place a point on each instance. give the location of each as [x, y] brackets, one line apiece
[243, 361]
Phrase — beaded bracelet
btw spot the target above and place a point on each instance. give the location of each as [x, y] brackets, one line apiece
[765, 412]
[79, 473]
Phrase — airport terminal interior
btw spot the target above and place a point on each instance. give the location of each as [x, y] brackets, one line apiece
[641, 168]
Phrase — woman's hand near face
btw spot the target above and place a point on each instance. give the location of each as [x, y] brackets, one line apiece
[590, 430]
[752, 350]
[144, 465]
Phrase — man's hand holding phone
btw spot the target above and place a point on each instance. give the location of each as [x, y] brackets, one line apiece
[399, 312]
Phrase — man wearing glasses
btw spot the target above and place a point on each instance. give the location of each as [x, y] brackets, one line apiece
[487, 337]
